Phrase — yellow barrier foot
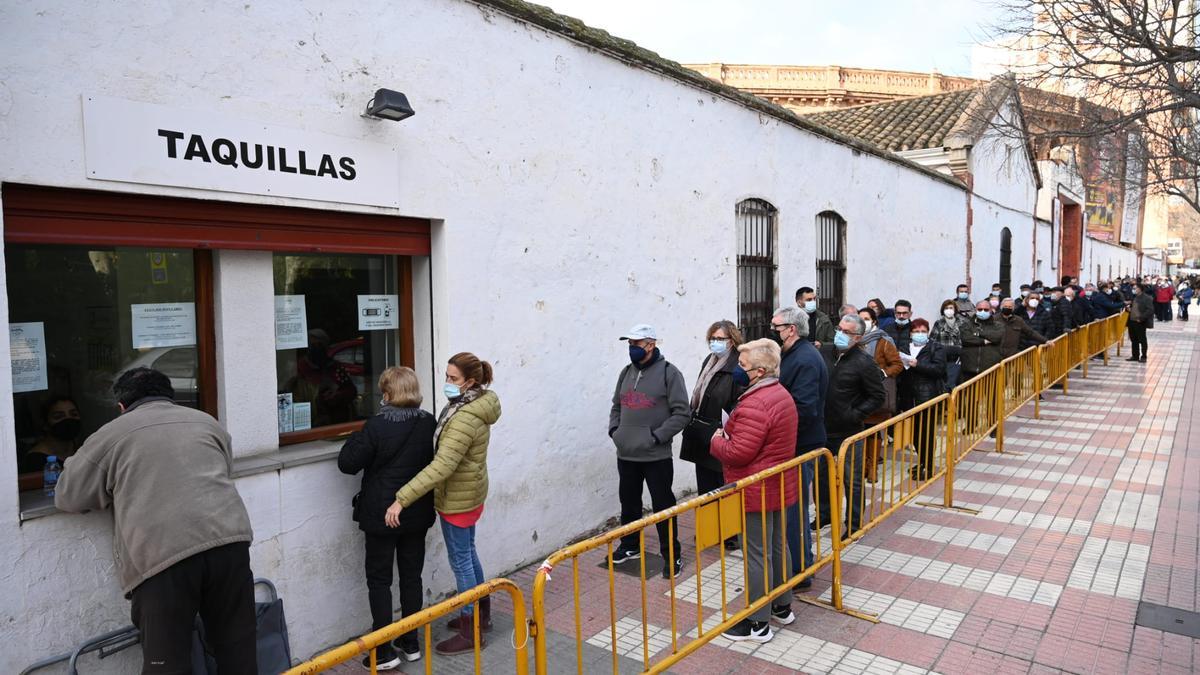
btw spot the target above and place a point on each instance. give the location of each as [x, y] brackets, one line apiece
[939, 505]
[865, 616]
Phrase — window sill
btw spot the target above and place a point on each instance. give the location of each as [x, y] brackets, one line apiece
[35, 504]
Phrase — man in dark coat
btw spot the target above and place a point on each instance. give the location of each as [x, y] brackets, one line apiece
[1038, 318]
[803, 373]
[1017, 333]
[1141, 317]
[981, 339]
[820, 326]
[855, 391]
[900, 330]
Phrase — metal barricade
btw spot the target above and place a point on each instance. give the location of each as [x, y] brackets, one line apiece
[424, 620]
[1056, 363]
[915, 450]
[1076, 346]
[1099, 338]
[1022, 381]
[719, 573]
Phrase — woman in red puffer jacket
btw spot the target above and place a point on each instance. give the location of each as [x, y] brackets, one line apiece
[761, 433]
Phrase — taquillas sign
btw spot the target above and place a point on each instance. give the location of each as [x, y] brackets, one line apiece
[153, 144]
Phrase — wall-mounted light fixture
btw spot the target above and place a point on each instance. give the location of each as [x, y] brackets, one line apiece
[389, 105]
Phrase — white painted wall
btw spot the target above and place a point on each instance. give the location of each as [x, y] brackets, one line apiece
[1113, 261]
[573, 196]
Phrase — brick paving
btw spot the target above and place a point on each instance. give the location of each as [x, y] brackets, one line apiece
[1094, 507]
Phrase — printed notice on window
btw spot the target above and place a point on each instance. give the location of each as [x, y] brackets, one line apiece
[285, 413]
[291, 322]
[301, 416]
[164, 324]
[378, 312]
[27, 352]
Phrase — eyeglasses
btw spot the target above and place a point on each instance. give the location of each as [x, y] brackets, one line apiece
[780, 326]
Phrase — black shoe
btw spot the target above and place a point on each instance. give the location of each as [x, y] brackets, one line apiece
[622, 554]
[678, 568]
[804, 585]
[1132, 358]
[732, 544]
[755, 631]
[385, 658]
[782, 614]
[1142, 360]
[409, 651]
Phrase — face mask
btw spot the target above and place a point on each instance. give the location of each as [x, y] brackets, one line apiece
[962, 296]
[994, 302]
[1069, 296]
[983, 315]
[841, 340]
[1039, 290]
[1025, 293]
[870, 325]
[901, 322]
[636, 354]
[65, 430]
[451, 390]
[718, 347]
[1033, 303]
[1006, 311]
[920, 338]
[1056, 297]
[1088, 293]
[1136, 292]
[949, 312]
[810, 306]
[740, 378]
[1108, 291]
[996, 292]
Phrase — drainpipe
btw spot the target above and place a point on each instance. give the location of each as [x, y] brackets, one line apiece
[960, 168]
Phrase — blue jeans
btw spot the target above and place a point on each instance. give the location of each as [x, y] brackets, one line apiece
[797, 521]
[460, 549]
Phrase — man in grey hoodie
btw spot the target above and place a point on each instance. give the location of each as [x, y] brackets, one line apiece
[649, 407]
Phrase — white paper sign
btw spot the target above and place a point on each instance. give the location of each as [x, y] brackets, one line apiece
[285, 413]
[301, 416]
[164, 324]
[291, 322]
[154, 144]
[378, 312]
[27, 353]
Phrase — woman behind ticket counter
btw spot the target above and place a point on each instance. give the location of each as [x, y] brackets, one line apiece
[61, 425]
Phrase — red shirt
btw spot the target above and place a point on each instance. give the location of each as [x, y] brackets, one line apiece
[463, 520]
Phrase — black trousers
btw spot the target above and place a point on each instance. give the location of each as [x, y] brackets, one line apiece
[657, 476]
[708, 480]
[1137, 339]
[407, 551]
[216, 584]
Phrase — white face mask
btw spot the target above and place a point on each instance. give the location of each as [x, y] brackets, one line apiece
[870, 325]
[949, 313]
[1033, 303]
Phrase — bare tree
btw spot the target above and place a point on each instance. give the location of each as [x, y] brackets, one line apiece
[1117, 77]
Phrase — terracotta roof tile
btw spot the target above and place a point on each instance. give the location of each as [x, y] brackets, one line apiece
[903, 124]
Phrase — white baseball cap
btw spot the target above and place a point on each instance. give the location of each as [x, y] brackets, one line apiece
[642, 331]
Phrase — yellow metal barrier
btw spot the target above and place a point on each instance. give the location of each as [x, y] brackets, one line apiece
[1022, 381]
[1056, 363]
[914, 447]
[718, 515]
[424, 619]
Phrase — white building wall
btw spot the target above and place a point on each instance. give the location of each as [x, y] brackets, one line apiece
[1104, 261]
[573, 196]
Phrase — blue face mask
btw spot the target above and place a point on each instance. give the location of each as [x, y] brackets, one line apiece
[920, 338]
[810, 306]
[740, 378]
[452, 391]
[636, 354]
[841, 340]
[962, 296]
[983, 315]
[901, 322]
[718, 347]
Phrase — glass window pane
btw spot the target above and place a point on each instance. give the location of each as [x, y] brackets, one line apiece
[336, 372]
[84, 300]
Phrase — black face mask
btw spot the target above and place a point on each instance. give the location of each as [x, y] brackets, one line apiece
[317, 356]
[65, 430]
[1006, 311]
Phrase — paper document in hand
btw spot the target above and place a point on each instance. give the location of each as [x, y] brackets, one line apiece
[724, 418]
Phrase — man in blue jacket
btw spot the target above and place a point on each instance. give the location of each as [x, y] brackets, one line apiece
[803, 373]
[649, 407]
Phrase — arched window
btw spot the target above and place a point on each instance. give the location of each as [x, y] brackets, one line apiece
[1006, 262]
[831, 262]
[755, 266]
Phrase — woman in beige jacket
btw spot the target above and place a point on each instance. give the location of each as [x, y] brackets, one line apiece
[459, 481]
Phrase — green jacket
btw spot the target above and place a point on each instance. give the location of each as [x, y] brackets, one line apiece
[821, 328]
[458, 473]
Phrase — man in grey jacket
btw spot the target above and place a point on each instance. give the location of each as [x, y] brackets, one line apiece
[181, 535]
[649, 407]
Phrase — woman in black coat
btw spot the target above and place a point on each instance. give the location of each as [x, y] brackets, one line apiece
[393, 446]
[717, 389]
[923, 379]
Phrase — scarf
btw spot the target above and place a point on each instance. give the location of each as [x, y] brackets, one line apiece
[455, 406]
[712, 364]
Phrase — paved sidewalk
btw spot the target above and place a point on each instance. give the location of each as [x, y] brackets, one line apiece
[1097, 513]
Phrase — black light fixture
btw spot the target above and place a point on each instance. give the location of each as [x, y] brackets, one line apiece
[389, 105]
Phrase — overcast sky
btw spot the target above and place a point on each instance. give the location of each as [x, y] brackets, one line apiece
[917, 35]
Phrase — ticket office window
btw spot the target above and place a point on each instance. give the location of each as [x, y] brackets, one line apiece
[79, 317]
[340, 320]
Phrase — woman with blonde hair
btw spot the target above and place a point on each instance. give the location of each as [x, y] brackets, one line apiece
[393, 446]
[458, 478]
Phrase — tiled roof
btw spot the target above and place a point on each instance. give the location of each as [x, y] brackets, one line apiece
[904, 124]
